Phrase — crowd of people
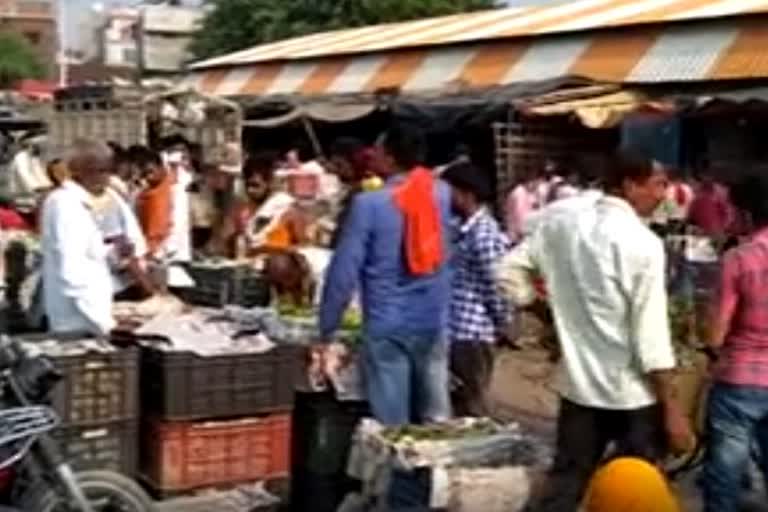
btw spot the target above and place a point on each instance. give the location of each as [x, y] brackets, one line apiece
[119, 223]
[441, 283]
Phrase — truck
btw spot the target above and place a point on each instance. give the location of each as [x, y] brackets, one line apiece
[131, 115]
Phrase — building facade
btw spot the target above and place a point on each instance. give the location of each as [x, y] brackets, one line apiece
[36, 21]
[151, 38]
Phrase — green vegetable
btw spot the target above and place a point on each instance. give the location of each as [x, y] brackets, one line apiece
[440, 432]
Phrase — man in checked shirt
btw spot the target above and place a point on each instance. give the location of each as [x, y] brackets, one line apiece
[479, 316]
[737, 416]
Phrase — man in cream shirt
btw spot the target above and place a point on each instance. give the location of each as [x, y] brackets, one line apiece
[77, 285]
[604, 275]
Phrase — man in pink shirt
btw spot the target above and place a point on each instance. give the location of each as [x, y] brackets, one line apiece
[528, 197]
[711, 209]
[520, 204]
[737, 415]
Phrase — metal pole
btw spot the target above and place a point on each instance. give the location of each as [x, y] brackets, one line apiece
[63, 61]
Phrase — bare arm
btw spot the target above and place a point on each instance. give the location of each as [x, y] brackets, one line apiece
[221, 244]
[653, 348]
[726, 301]
[515, 275]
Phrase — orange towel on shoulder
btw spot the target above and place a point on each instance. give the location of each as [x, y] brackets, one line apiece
[423, 239]
[154, 207]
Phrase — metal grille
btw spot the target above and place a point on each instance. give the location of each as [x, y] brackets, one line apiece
[522, 144]
[126, 126]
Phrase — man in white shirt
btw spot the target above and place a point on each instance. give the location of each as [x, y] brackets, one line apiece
[119, 226]
[28, 175]
[604, 274]
[179, 243]
[77, 286]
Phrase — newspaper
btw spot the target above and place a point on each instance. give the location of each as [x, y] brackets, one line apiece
[201, 332]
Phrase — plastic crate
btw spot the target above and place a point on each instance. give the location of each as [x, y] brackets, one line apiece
[110, 446]
[183, 456]
[239, 285]
[323, 430]
[185, 386]
[98, 386]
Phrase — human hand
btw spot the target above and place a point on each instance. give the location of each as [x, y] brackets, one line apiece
[124, 249]
[507, 338]
[680, 436]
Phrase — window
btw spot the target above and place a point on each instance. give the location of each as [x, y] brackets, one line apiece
[130, 56]
[33, 37]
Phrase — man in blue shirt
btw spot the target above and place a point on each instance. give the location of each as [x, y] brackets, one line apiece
[405, 311]
[479, 315]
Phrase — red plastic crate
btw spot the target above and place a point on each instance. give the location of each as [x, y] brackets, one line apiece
[183, 456]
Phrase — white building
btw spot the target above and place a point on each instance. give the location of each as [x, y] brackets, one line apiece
[166, 34]
[154, 37]
[119, 45]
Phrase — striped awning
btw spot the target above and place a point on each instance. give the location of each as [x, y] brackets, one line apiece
[701, 48]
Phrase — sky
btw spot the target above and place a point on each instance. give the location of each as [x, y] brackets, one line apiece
[76, 9]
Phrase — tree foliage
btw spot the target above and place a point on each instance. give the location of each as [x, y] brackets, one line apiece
[235, 24]
[18, 60]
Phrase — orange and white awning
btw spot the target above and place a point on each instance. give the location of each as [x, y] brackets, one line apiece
[627, 41]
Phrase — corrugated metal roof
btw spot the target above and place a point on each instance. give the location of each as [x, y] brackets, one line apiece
[574, 16]
[717, 49]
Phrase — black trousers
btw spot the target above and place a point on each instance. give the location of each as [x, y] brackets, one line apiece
[472, 367]
[586, 436]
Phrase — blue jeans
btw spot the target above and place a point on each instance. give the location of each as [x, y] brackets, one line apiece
[737, 419]
[406, 378]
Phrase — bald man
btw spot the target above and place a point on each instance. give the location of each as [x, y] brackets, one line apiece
[76, 273]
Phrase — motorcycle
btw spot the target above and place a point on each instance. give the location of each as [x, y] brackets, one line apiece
[34, 475]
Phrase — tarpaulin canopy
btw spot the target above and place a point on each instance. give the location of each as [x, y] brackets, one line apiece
[459, 108]
[596, 107]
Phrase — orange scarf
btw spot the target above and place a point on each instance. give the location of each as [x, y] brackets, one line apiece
[154, 211]
[422, 229]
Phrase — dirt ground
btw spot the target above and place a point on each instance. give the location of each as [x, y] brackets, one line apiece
[523, 389]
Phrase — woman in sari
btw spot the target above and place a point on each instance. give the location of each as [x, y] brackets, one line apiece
[264, 220]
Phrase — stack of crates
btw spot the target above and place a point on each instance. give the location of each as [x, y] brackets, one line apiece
[97, 402]
[215, 422]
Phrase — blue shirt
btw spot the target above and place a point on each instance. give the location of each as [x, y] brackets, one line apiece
[478, 311]
[369, 257]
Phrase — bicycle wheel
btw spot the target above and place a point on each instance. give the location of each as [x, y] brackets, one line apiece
[106, 491]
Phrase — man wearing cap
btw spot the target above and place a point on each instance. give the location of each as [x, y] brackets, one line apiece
[479, 315]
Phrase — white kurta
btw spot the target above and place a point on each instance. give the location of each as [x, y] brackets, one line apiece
[77, 285]
[116, 218]
[179, 243]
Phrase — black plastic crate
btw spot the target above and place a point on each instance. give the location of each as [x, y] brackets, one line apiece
[239, 285]
[323, 427]
[110, 446]
[97, 386]
[185, 386]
